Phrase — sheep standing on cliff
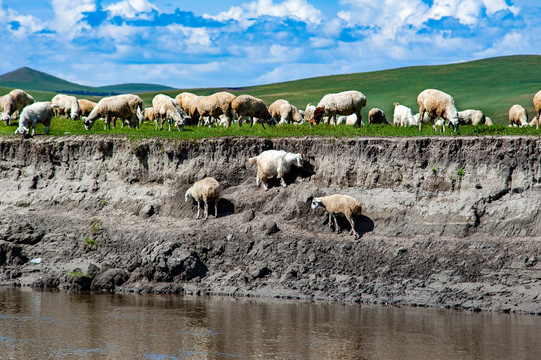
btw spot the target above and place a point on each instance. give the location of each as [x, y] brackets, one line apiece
[205, 190]
[518, 116]
[167, 109]
[537, 104]
[8, 107]
[340, 204]
[23, 98]
[343, 103]
[403, 116]
[377, 116]
[252, 107]
[66, 105]
[272, 163]
[213, 106]
[129, 107]
[86, 106]
[436, 103]
[39, 112]
[287, 113]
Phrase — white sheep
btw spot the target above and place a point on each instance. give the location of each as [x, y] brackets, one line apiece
[252, 107]
[184, 100]
[86, 106]
[537, 104]
[436, 103]
[149, 114]
[23, 98]
[129, 107]
[67, 105]
[471, 117]
[343, 103]
[518, 116]
[8, 107]
[377, 116]
[403, 116]
[206, 190]
[213, 106]
[287, 113]
[167, 109]
[309, 112]
[272, 163]
[340, 204]
[39, 112]
[346, 120]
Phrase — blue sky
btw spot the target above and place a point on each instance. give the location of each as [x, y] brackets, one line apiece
[208, 43]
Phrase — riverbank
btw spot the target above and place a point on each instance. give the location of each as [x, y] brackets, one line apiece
[447, 222]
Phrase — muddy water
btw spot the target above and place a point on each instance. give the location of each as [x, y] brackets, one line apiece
[60, 325]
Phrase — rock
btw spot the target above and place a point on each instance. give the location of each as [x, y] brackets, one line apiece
[109, 279]
[269, 227]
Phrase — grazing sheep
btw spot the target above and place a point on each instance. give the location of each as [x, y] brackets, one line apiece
[436, 103]
[8, 107]
[149, 114]
[340, 204]
[129, 107]
[343, 103]
[287, 113]
[23, 98]
[86, 106]
[377, 116]
[247, 105]
[184, 99]
[167, 109]
[488, 121]
[309, 112]
[518, 116]
[206, 190]
[537, 105]
[272, 163]
[347, 120]
[67, 105]
[213, 106]
[471, 117]
[403, 116]
[39, 112]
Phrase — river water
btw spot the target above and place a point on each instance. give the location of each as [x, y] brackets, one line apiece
[62, 325]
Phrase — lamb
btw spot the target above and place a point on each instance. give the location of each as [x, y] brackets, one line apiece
[436, 103]
[343, 103]
[537, 105]
[340, 204]
[272, 163]
[247, 105]
[39, 112]
[287, 113]
[403, 116]
[68, 105]
[8, 107]
[377, 116]
[471, 117]
[128, 106]
[518, 116]
[214, 105]
[167, 109]
[206, 190]
[86, 106]
[23, 98]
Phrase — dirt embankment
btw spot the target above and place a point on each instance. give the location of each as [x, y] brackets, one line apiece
[448, 222]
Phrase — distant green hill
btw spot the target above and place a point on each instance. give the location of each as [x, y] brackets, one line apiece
[29, 79]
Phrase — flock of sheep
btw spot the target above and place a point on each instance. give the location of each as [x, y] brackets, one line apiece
[223, 108]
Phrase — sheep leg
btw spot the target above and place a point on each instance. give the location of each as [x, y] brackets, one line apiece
[239, 119]
[206, 201]
[359, 119]
[257, 182]
[334, 119]
[282, 182]
[198, 208]
[216, 207]
[421, 117]
[337, 228]
[353, 230]
[330, 221]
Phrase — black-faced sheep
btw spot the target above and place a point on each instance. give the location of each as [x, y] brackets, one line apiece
[167, 109]
[537, 104]
[340, 204]
[205, 190]
[436, 103]
[66, 105]
[343, 103]
[250, 106]
[86, 106]
[377, 116]
[287, 113]
[272, 163]
[518, 116]
[39, 112]
[128, 107]
[213, 106]
[8, 107]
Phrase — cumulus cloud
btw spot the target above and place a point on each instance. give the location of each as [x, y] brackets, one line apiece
[131, 9]
[68, 17]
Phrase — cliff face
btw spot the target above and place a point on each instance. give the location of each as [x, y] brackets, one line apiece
[447, 221]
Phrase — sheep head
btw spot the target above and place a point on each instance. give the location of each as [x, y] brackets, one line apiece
[316, 203]
[6, 118]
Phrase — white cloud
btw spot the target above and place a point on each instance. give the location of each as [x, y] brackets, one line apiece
[68, 16]
[131, 9]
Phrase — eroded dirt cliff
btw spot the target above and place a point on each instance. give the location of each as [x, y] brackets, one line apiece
[449, 222]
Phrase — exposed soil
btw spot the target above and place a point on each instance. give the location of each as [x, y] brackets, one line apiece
[448, 222]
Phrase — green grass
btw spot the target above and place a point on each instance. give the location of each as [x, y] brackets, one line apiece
[62, 127]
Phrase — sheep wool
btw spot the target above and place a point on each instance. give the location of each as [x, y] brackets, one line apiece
[340, 204]
[273, 163]
[8, 106]
[205, 190]
[436, 103]
[128, 106]
[518, 116]
[287, 113]
[167, 109]
[537, 104]
[39, 112]
[252, 107]
[67, 105]
[86, 106]
[23, 98]
[343, 103]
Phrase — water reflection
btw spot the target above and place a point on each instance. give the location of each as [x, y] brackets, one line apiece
[53, 325]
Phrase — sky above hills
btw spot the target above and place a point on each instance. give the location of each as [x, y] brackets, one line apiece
[211, 43]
